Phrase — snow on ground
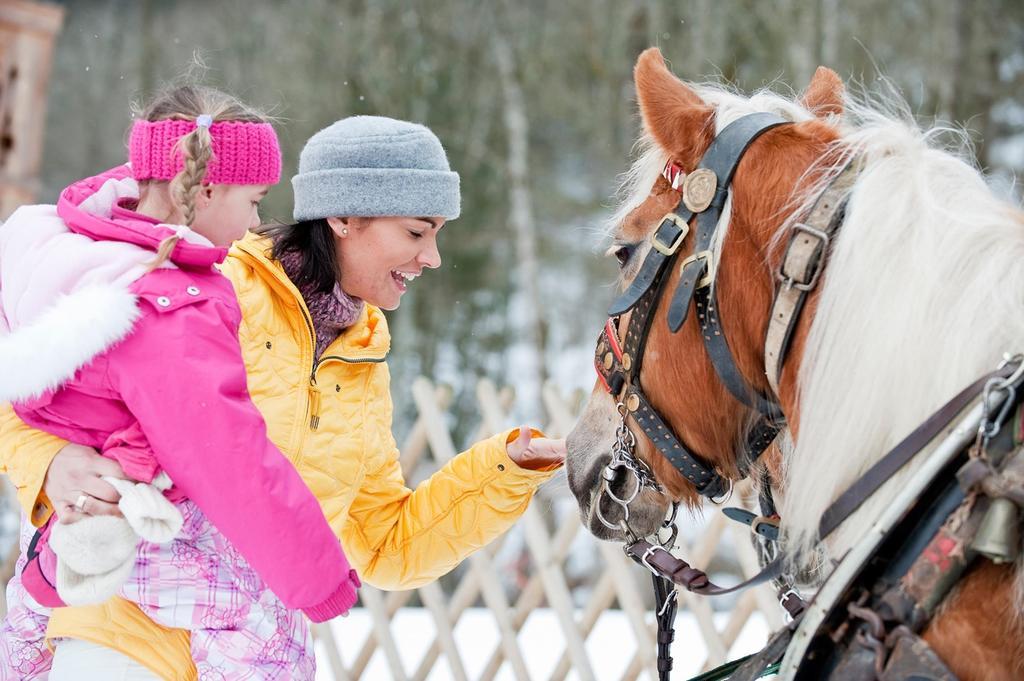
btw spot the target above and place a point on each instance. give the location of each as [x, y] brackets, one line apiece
[610, 646]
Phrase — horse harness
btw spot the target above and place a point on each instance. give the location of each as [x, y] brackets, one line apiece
[704, 194]
[924, 554]
[964, 503]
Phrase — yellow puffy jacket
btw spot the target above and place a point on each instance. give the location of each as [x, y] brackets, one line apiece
[332, 418]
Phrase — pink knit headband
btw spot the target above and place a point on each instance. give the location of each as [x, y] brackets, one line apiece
[243, 153]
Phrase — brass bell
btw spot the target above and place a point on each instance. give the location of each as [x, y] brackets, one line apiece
[998, 537]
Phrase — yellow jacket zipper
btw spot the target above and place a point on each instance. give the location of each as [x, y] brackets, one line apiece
[313, 393]
[314, 404]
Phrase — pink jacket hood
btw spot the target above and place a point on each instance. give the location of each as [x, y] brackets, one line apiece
[87, 208]
[65, 273]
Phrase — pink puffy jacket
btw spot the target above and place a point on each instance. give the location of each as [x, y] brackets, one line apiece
[178, 376]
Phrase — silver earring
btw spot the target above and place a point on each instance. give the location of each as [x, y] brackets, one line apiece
[344, 232]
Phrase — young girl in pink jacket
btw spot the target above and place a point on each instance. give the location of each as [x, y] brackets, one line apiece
[117, 332]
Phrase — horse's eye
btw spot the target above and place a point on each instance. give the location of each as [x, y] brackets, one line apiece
[623, 254]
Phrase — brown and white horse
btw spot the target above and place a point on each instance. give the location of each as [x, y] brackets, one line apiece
[922, 293]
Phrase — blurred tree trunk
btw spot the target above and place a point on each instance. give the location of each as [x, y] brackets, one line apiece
[829, 22]
[985, 98]
[803, 43]
[521, 217]
[148, 58]
[952, 78]
[700, 25]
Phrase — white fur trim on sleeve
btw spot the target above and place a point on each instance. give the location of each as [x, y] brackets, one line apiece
[42, 355]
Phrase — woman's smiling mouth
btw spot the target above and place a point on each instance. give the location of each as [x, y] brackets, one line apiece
[402, 278]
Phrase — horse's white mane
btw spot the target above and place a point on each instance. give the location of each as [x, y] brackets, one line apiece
[923, 293]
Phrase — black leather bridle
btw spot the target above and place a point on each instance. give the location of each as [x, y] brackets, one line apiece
[704, 196]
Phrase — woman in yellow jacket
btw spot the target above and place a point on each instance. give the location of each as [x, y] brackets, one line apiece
[371, 196]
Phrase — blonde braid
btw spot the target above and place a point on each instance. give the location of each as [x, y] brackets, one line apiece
[196, 149]
[163, 253]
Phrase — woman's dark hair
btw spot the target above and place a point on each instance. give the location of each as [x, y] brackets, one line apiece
[314, 241]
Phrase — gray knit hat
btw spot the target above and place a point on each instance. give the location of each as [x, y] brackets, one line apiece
[371, 166]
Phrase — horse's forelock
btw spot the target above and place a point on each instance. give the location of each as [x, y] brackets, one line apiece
[635, 184]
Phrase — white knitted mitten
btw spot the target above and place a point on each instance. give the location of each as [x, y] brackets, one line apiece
[144, 506]
[96, 554]
[94, 558]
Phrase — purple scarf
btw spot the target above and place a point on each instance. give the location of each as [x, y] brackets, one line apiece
[332, 312]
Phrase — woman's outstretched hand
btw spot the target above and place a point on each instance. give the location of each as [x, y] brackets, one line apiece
[76, 475]
[536, 453]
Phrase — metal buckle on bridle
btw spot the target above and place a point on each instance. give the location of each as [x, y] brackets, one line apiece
[671, 249]
[784, 597]
[789, 280]
[643, 560]
[709, 267]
